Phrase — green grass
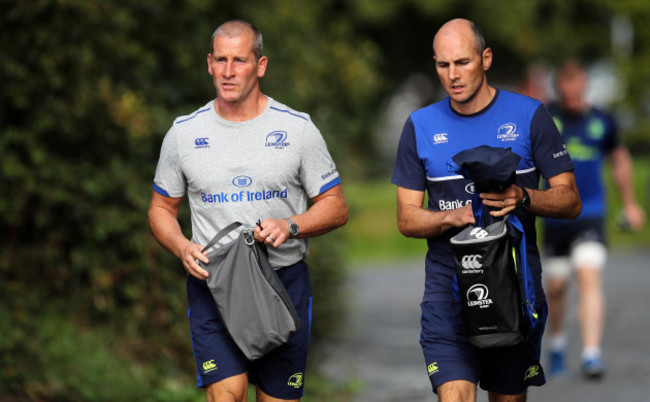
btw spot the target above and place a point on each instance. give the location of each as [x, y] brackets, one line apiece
[371, 234]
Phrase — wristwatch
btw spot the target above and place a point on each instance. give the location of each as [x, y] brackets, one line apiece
[293, 228]
[525, 200]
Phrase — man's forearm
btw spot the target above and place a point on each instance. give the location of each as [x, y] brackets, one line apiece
[415, 221]
[622, 174]
[166, 230]
[325, 215]
[560, 202]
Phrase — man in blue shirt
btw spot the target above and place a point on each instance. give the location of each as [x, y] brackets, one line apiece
[590, 135]
[475, 114]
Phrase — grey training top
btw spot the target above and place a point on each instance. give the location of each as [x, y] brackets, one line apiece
[266, 167]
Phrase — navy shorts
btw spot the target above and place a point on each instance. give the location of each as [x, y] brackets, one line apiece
[559, 238]
[280, 373]
[449, 356]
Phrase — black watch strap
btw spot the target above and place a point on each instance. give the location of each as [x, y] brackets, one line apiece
[294, 230]
[525, 200]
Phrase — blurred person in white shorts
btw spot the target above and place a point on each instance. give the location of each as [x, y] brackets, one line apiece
[580, 246]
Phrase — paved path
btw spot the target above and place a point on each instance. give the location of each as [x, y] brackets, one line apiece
[381, 346]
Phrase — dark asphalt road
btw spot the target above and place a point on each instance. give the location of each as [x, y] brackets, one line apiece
[381, 347]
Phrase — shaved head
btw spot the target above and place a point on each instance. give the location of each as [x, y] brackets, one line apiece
[462, 60]
[463, 27]
[234, 28]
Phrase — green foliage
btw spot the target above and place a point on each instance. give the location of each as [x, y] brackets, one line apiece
[519, 32]
[89, 88]
[317, 63]
[66, 363]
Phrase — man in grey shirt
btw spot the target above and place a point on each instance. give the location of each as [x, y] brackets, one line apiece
[244, 157]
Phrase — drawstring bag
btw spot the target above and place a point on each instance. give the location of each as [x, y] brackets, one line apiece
[493, 278]
[250, 298]
[486, 266]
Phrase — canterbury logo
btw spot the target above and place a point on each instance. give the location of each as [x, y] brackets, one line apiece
[472, 261]
[440, 138]
[209, 366]
[433, 368]
[201, 142]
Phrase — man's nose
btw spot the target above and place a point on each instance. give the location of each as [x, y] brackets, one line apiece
[229, 69]
[453, 72]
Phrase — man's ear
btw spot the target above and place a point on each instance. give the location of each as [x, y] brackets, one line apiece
[261, 66]
[487, 58]
[210, 63]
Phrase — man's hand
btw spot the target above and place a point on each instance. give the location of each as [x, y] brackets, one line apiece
[273, 232]
[460, 217]
[506, 201]
[190, 253]
[413, 220]
[163, 213]
[635, 216]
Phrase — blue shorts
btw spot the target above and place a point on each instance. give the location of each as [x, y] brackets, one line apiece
[280, 373]
[449, 356]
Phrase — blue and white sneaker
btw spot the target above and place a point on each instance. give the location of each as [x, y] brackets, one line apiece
[557, 363]
[593, 368]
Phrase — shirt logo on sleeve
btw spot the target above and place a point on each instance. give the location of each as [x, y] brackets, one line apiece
[440, 138]
[277, 140]
[563, 152]
[507, 132]
[331, 172]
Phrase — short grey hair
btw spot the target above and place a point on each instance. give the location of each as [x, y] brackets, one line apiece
[236, 27]
[478, 36]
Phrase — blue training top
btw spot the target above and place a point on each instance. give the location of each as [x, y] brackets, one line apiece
[589, 137]
[432, 135]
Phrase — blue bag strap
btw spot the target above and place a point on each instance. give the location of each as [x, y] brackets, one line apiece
[524, 271]
[479, 210]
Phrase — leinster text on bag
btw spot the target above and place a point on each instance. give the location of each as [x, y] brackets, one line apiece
[486, 265]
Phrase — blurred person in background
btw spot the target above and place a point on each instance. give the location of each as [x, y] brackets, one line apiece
[580, 246]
